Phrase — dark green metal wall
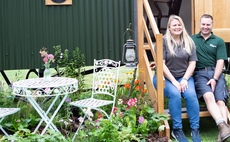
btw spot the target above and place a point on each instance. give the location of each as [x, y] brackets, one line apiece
[95, 26]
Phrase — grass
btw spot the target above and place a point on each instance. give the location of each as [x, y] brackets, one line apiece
[208, 128]
[15, 75]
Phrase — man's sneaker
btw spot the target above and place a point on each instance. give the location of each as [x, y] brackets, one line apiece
[178, 134]
[195, 135]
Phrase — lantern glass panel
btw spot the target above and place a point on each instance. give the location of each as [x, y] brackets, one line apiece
[130, 55]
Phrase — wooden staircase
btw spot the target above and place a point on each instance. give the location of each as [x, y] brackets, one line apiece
[145, 44]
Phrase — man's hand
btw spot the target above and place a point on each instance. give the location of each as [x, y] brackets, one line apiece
[212, 83]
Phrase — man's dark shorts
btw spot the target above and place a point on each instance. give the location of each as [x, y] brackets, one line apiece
[202, 77]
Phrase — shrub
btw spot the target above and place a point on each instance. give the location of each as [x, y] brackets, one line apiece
[133, 118]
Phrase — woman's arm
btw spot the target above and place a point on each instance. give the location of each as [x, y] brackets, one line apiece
[170, 77]
[190, 70]
[187, 75]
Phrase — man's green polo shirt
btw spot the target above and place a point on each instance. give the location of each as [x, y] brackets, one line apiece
[209, 51]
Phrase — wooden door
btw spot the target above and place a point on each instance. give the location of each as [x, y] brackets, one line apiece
[220, 10]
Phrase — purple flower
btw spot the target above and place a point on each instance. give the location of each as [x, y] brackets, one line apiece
[68, 100]
[141, 119]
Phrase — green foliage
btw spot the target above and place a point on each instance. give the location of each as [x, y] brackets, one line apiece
[25, 118]
[227, 78]
[20, 123]
[109, 133]
[24, 135]
[5, 97]
[69, 64]
[106, 131]
[133, 118]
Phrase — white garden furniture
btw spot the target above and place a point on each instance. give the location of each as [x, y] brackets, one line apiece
[35, 88]
[5, 112]
[104, 88]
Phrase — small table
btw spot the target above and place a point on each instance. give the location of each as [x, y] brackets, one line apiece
[37, 87]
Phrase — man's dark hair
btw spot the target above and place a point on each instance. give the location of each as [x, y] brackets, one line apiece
[207, 16]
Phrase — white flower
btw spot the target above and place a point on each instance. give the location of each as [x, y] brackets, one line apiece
[81, 119]
[161, 128]
[120, 101]
[56, 91]
[66, 123]
[89, 112]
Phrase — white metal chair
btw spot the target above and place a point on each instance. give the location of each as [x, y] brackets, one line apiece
[105, 80]
[5, 112]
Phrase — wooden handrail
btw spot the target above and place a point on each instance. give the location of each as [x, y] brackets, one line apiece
[145, 74]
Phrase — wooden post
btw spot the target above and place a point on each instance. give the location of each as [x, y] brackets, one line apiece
[140, 42]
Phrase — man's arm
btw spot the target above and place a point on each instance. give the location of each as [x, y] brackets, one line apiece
[218, 69]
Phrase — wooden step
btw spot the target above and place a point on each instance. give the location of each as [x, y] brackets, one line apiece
[203, 112]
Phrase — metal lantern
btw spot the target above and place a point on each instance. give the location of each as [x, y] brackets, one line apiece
[129, 56]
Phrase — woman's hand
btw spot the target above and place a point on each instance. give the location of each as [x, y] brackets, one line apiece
[177, 85]
[184, 84]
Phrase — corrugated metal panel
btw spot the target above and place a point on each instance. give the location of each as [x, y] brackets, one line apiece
[95, 26]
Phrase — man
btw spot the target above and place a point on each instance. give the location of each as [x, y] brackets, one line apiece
[208, 76]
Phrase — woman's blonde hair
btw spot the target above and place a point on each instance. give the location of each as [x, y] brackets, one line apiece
[186, 40]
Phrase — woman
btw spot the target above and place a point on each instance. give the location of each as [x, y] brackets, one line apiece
[179, 61]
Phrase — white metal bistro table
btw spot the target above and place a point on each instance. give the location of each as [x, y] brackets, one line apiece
[33, 88]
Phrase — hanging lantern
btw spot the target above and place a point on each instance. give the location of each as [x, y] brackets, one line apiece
[129, 56]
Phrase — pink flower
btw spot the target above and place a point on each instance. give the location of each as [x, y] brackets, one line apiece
[47, 90]
[114, 110]
[43, 53]
[141, 119]
[50, 56]
[99, 115]
[132, 102]
[47, 58]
